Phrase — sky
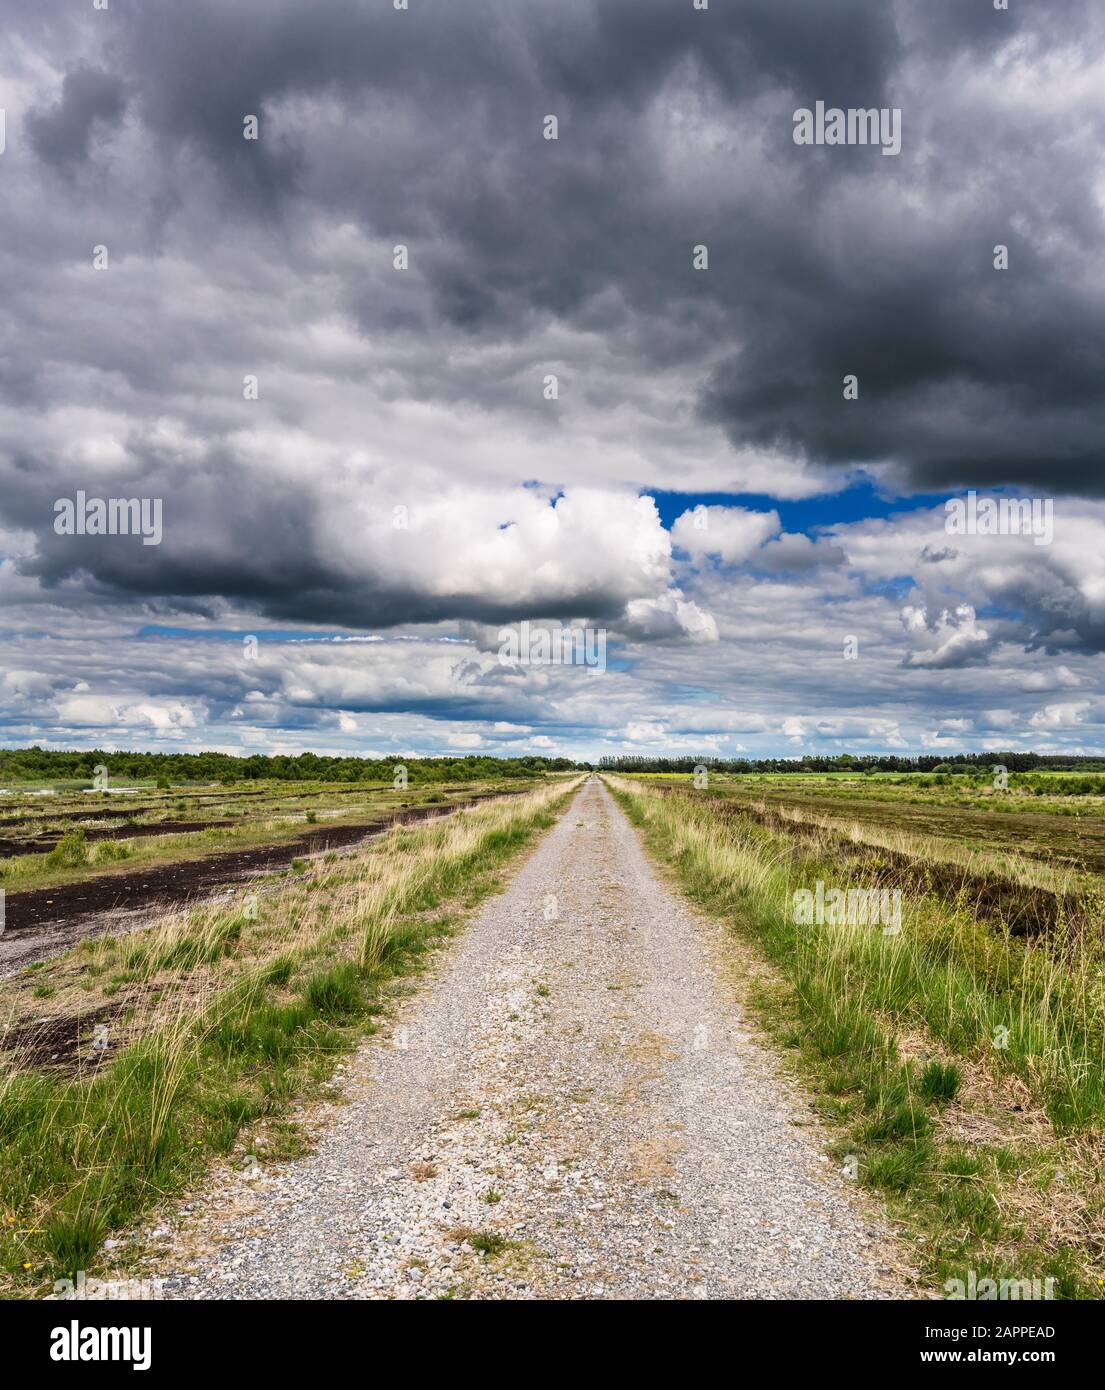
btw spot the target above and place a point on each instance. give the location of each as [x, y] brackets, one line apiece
[401, 373]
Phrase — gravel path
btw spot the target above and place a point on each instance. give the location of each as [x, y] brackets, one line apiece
[575, 1082]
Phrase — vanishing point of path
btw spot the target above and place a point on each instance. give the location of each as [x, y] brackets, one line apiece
[574, 1079]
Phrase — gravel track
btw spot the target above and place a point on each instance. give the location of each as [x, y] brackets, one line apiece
[575, 1081]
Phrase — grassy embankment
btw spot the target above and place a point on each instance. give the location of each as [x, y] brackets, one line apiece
[963, 1067]
[197, 1033]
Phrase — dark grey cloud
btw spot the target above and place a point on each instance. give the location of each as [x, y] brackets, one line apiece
[90, 97]
[841, 262]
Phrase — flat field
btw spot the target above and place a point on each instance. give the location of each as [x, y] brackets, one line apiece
[75, 862]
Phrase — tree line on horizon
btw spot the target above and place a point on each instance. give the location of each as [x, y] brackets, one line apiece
[35, 763]
[29, 764]
[869, 762]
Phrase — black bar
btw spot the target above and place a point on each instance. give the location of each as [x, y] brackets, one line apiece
[830, 1338]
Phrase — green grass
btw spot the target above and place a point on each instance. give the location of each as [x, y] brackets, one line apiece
[939, 1081]
[487, 1242]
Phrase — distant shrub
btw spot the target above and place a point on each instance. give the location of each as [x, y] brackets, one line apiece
[70, 852]
[108, 851]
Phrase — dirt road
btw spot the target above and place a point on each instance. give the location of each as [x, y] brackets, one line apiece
[574, 1092]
